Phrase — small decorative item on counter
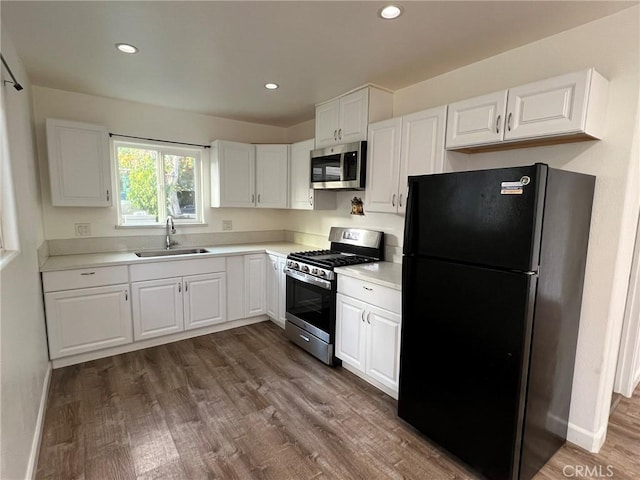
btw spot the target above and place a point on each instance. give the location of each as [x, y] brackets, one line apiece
[357, 207]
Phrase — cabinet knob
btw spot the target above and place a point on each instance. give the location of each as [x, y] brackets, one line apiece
[498, 123]
[311, 200]
[126, 295]
[400, 200]
[179, 287]
[368, 315]
[108, 195]
[393, 200]
[362, 316]
[509, 121]
[340, 134]
[335, 135]
[253, 198]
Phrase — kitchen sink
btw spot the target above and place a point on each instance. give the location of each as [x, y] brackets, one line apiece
[177, 251]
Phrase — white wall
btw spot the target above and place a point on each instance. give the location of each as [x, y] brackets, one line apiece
[136, 119]
[611, 45]
[24, 360]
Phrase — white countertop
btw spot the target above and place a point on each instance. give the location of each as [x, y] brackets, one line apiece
[387, 274]
[67, 262]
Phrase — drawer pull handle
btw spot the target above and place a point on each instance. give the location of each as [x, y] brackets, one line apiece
[306, 339]
[126, 295]
[88, 273]
[179, 288]
[362, 315]
[368, 321]
[367, 288]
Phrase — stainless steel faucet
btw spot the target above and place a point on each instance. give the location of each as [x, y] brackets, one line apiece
[170, 229]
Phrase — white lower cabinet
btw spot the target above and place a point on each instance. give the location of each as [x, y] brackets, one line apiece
[171, 305]
[205, 300]
[87, 309]
[368, 336]
[246, 286]
[157, 308]
[86, 319]
[276, 290]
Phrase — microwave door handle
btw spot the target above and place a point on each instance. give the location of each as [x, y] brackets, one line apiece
[342, 166]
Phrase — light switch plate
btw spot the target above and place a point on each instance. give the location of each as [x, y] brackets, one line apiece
[82, 229]
[227, 225]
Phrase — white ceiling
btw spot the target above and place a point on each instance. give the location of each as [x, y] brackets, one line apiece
[214, 57]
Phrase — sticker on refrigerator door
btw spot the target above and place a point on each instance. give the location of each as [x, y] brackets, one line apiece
[511, 188]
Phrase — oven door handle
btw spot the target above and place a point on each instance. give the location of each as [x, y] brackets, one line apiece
[303, 277]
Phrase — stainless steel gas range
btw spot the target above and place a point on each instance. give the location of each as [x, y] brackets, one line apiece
[312, 285]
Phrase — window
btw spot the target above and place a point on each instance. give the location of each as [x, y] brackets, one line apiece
[155, 181]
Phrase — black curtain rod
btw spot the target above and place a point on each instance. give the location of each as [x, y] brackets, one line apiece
[16, 85]
[158, 140]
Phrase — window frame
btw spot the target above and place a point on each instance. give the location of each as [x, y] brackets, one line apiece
[162, 149]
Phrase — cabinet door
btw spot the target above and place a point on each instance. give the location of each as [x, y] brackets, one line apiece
[282, 292]
[79, 164]
[205, 300]
[255, 292]
[383, 346]
[549, 107]
[383, 166]
[235, 287]
[272, 176]
[422, 150]
[273, 286]
[88, 319]
[233, 174]
[354, 116]
[301, 196]
[350, 331]
[327, 118]
[157, 308]
[476, 121]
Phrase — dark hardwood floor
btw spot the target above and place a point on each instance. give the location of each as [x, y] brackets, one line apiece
[247, 404]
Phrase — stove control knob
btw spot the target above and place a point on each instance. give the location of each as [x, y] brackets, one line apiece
[295, 266]
[304, 268]
[314, 271]
[322, 273]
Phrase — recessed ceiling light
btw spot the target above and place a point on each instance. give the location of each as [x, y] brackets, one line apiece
[271, 86]
[126, 48]
[390, 12]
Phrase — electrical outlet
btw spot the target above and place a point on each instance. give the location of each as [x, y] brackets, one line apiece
[83, 229]
[227, 225]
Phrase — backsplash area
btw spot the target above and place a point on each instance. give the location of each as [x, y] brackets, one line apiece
[73, 246]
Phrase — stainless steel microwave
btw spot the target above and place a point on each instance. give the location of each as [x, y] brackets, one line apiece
[341, 166]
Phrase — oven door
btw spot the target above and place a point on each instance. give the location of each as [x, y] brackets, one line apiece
[311, 304]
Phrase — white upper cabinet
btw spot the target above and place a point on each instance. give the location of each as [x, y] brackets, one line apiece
[245, 175]
[398, 148]
[272, 176]
[302, 196]
[572, 103]
[345, 119]
[327, 119]
[422, 151]
[561, 109]
[79, 164]
[477, 120]
[383, 166]
[233, 167]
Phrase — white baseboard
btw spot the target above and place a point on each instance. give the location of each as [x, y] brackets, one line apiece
[37, 434]
[591, 441]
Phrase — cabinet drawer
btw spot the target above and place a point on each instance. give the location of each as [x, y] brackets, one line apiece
[83, 278]
[371, 293]
[180, 268]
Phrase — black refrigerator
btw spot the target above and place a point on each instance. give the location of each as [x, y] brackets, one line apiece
[493, 269]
